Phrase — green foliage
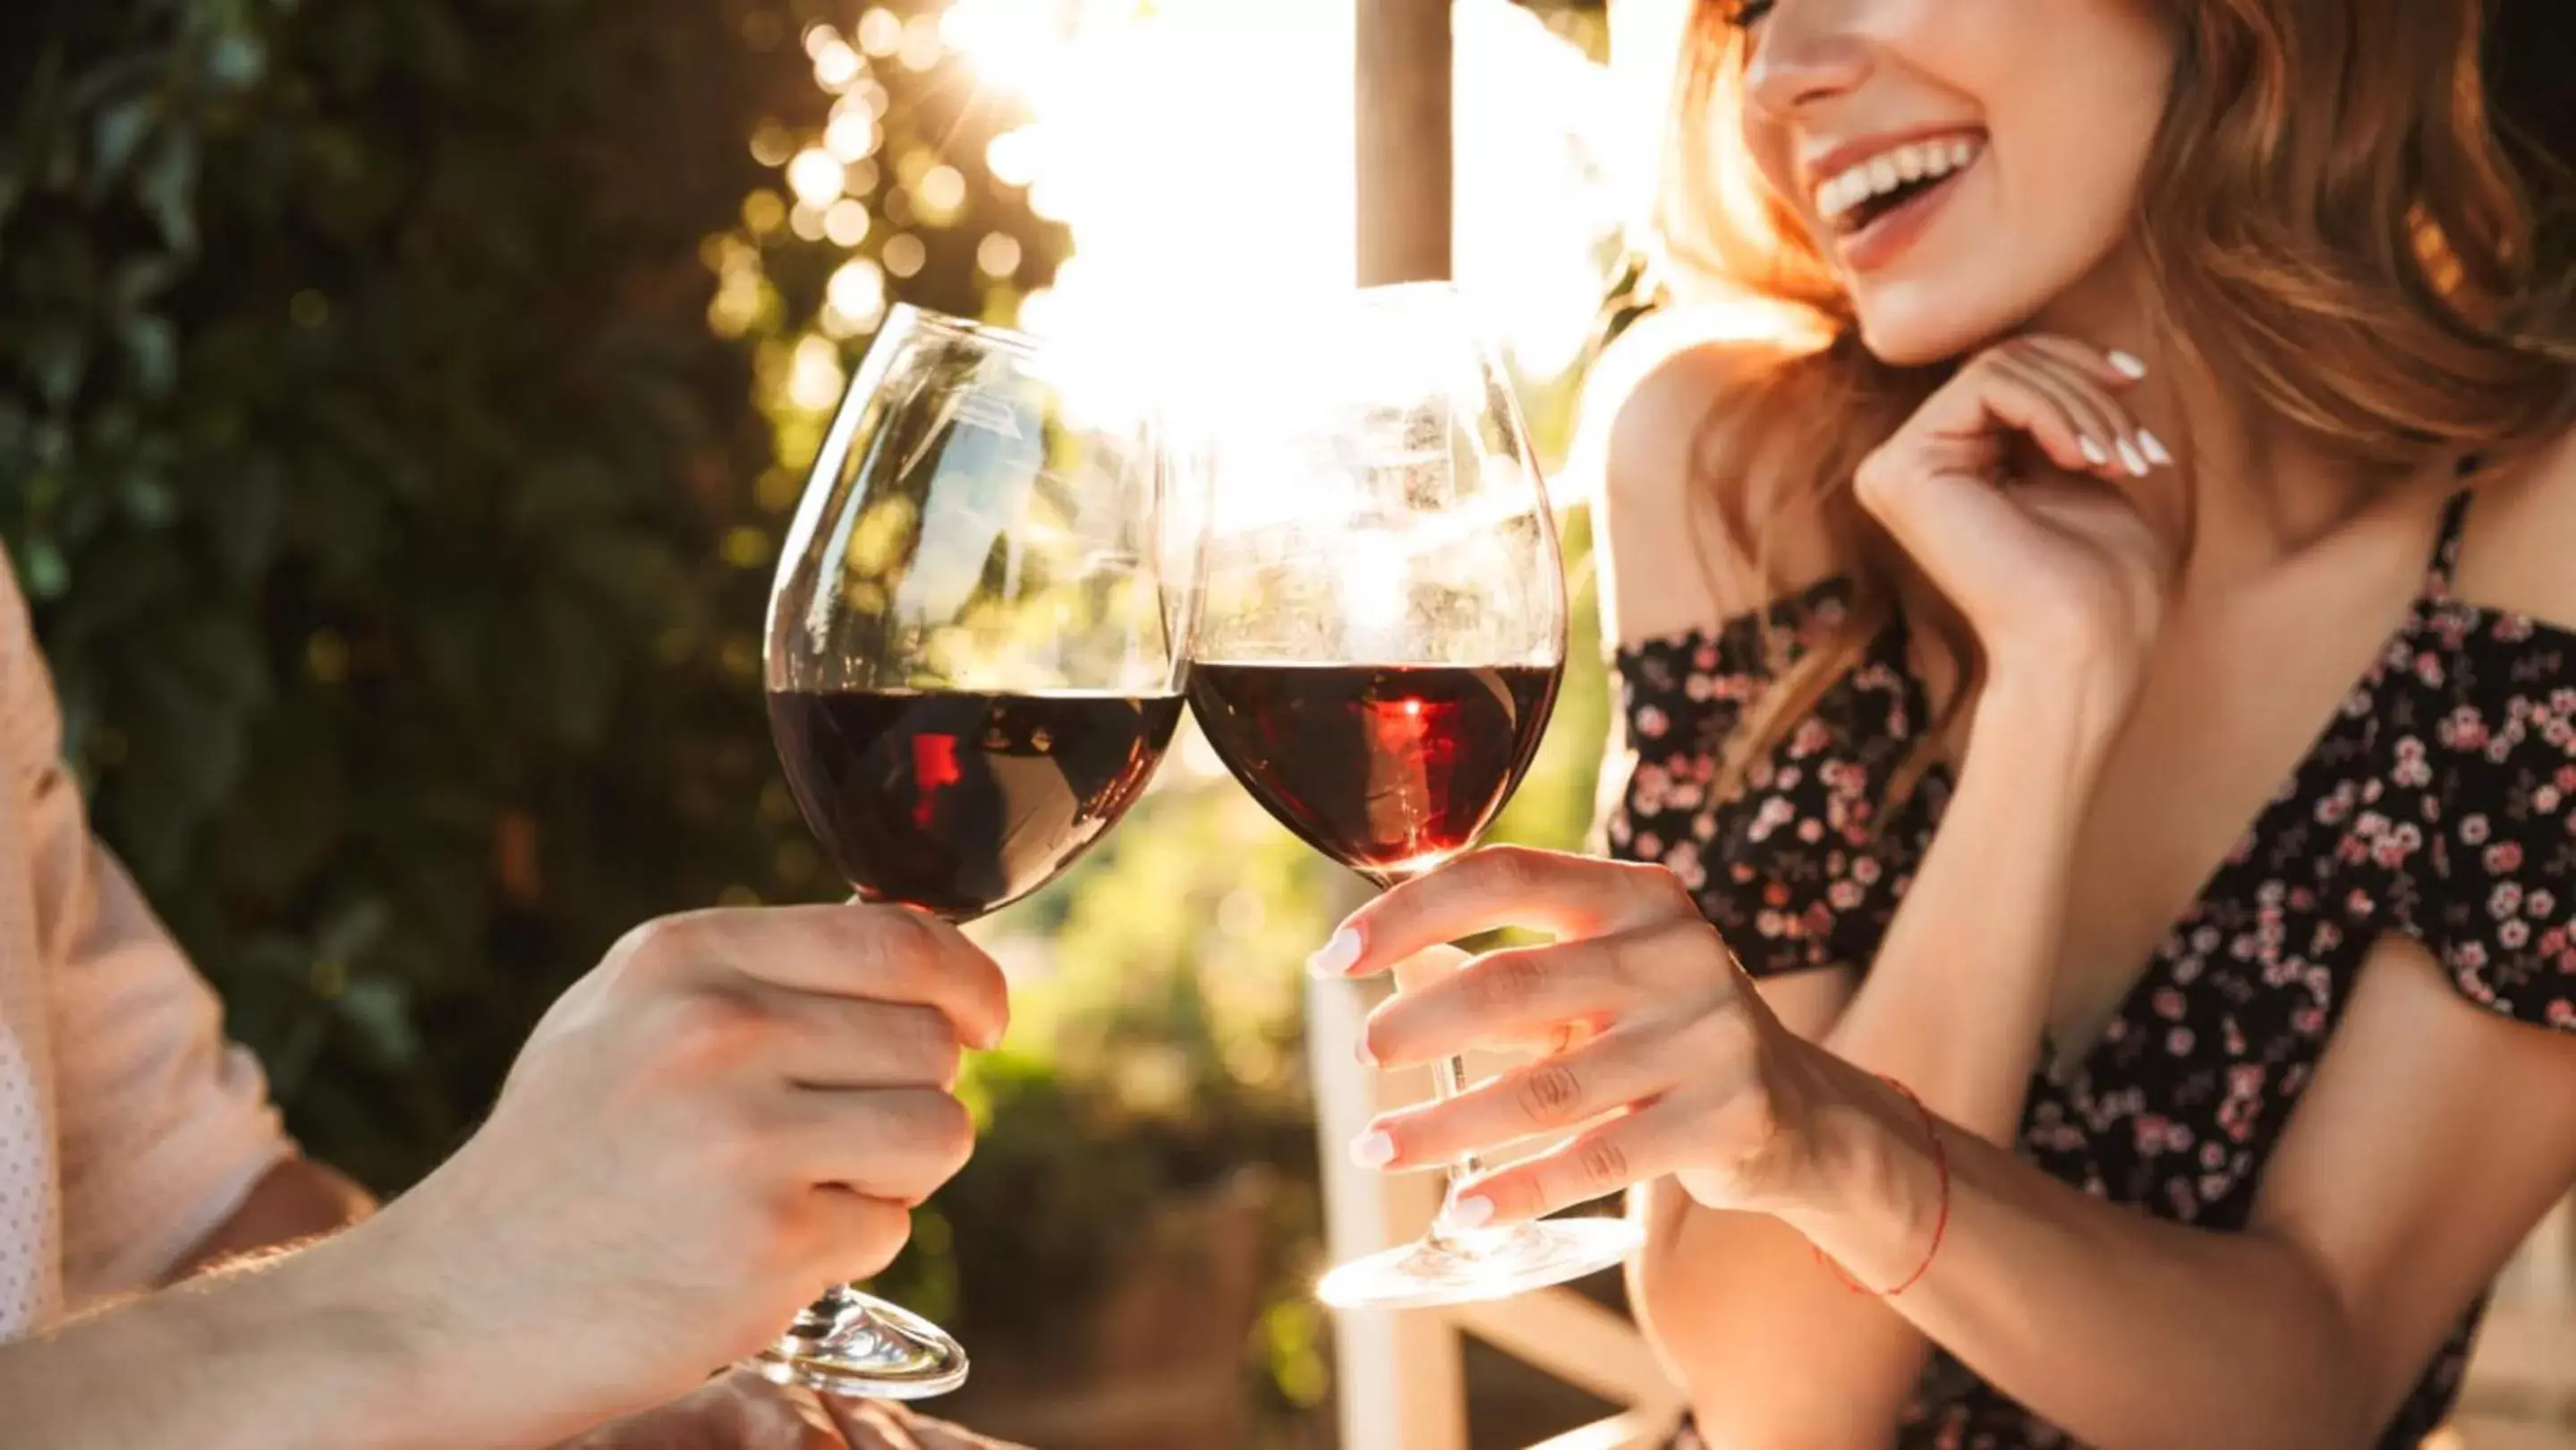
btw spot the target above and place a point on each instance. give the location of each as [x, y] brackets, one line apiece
[367, 456]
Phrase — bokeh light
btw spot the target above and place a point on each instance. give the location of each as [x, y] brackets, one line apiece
[941, 192]
[903, 254]
[998, 255]
[852, 135]
[922, 46]
[845, 223]
[814, 374]
[836, 64]
[1011, 157]
[815, 176]
[772, 144]
[880, 32]
[856, 295]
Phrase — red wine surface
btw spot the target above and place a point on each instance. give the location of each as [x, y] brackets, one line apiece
[959, 803]
[1388, 769]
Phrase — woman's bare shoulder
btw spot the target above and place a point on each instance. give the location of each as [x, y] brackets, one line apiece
[1655, 446]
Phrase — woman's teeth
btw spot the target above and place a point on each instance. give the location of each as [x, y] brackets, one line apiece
[1841, 195]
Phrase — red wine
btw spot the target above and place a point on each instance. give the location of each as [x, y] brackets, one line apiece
[1388, 769]
[960, 803]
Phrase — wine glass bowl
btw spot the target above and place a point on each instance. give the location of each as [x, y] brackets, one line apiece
[973, 664]
[1381, 637]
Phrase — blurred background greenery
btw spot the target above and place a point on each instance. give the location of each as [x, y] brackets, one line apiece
[399, 407]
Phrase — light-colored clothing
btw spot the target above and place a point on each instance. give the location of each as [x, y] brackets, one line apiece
[129, 1128]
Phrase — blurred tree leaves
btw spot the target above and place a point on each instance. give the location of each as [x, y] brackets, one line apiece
[364, 451]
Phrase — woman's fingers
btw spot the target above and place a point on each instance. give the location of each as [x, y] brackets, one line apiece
[2104, 433]
[1659, 1138]
[2100, 377]
[2110, 367]
[1626, 1065]
[1561, 894]
[1525, 994]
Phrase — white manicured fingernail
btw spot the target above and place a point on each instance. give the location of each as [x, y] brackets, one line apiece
[2154, 448]
[1373, 1150]
[2136, 461]
[1335, 958]
[2127, 365]
[2093, 453]
[1471, 1212]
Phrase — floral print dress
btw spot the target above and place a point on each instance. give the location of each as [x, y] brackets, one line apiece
[2436, 803]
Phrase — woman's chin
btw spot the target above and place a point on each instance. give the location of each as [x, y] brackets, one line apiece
[1907, 333]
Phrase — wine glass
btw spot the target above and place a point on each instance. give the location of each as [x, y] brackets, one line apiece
[1379, 650]
[974, 658]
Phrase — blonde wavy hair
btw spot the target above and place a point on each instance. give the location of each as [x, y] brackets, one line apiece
[2329, 223]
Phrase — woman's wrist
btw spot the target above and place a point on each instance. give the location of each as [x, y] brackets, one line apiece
[2053, 709]
[1877, 1193]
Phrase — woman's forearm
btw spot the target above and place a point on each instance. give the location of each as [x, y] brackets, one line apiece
[2063, 1300]
[1771, 1346]
[1956, 1001]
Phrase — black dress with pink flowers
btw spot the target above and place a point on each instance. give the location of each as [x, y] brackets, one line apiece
[2436, 803]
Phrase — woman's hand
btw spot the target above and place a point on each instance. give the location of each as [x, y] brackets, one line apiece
[733, 1111]
[1661, 1053]
[2015, 489]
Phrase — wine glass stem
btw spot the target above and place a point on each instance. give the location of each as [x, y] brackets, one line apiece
[1448, 1080]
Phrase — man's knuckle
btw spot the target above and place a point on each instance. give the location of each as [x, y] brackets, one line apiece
[871, 1231]
[948, 1130]
[937, 1047]
[899, 943]
[655, 949]
[705, 1028]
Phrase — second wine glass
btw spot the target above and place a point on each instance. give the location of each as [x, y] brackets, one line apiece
[1383, 633]
[974, 654]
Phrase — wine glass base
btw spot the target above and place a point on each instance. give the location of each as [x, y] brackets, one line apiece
[865, 1348]
[1485, 1264]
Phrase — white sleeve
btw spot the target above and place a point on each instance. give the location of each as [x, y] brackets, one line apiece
[161, 1124]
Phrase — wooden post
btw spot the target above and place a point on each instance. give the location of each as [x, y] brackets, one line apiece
[1399, 1374]
[1404, 141]
[1399, 1378]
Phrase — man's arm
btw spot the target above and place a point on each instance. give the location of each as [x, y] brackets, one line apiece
[310, 1348]
[293, 1203]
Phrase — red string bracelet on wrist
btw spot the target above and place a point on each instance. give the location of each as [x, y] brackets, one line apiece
[1940, 1220]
